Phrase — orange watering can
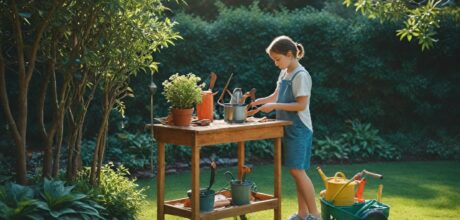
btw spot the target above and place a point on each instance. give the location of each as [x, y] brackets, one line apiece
[205, 109]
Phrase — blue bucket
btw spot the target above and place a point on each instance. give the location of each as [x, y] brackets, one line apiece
[206, 199]
[241, 192]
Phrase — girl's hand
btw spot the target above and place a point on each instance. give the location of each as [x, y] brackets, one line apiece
[256, 102]
[267, 107]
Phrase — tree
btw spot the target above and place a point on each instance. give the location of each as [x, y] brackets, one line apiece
[26, 30]
[74, 49]
[421, 18]
[130, 33]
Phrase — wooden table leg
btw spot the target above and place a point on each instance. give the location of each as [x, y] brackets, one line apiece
[161, 181]
[241, 159]
[277, 190]
[195, 202]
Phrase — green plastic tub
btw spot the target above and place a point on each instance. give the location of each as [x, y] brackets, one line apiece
[368, 210]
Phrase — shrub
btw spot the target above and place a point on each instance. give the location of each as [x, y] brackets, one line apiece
[131, 150]
[50, 199]
[364, 143]
[121, 197]
[360, 143]
[18, 202]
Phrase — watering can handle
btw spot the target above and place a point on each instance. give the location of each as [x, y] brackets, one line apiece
[228, 175]
[340, 174]
[341, 189]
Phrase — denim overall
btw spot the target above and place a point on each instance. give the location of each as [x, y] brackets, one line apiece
[297, 139]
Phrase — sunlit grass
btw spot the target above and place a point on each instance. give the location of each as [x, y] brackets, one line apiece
[414, 190]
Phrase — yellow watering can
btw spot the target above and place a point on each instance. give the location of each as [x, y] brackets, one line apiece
[339, 190]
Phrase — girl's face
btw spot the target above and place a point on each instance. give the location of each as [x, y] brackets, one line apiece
[281, 61]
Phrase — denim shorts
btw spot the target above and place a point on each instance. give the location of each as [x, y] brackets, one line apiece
[297, 145]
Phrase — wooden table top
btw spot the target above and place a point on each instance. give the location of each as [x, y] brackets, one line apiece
[220, 125]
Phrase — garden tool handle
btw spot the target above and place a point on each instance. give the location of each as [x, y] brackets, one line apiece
[375, 175]
[212, 81]
[225, 88]
[379, 193]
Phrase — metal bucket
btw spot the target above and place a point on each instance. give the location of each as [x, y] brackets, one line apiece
[241, 192]
[234, 113]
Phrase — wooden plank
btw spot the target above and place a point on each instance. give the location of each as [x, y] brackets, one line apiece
[195, 200]
[173, 207]
[173, 210]
[277, 189]
[240, 210]
[160, 180]
[179, 137]
[239, 135]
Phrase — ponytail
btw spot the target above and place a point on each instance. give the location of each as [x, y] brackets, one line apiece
[300, 51]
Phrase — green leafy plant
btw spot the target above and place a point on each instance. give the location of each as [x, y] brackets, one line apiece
[182, 91]
[120, 196]
[63, 203]
[50, 199]
[330, 149]
[364, 142]
[18, 202]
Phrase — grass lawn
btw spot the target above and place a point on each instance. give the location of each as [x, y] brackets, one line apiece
[414, 190]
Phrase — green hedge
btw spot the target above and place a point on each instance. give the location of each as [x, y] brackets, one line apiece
[359, 68]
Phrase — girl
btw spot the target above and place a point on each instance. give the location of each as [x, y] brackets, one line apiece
[291, 100]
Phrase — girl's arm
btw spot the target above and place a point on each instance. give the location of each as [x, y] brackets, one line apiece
[299, 105]
[270, 98]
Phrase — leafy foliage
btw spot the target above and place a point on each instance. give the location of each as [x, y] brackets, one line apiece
[63, 203]
[421, 18]
[17, 202]
[360, 143]
[48, 200]
[131, 150]
[120, 196]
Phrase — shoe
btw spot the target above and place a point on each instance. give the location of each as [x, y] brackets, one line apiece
[295, 217]
[311, 217]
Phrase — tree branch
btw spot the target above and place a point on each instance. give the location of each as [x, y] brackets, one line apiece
[5, 101]
[38, 37]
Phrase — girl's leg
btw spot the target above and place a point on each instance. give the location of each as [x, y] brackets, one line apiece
[302, 209]
[306, 190]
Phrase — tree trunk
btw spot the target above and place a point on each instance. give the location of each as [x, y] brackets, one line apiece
[57, 151]
[98, 151]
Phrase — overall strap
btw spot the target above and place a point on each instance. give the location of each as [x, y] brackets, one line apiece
[295, 74]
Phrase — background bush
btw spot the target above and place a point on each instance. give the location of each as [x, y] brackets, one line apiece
[121, 197]
[360, 71]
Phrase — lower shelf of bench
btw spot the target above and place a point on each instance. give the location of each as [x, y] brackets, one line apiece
[262, 202]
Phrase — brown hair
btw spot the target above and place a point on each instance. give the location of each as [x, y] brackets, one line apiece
[284, 45]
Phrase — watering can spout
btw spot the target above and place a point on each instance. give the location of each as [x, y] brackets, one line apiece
[323, 176]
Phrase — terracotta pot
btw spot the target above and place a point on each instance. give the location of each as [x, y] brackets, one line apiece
[182, 117]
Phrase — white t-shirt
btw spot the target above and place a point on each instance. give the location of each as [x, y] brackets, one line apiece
[301, 86]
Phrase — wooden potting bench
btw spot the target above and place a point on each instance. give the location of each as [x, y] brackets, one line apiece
[217, 133]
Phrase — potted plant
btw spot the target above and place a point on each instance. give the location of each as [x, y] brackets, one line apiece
[182, 92]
